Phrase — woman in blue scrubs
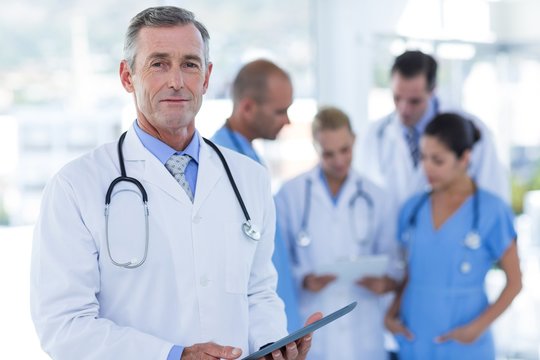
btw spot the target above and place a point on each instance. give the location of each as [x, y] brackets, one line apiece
[452, 235]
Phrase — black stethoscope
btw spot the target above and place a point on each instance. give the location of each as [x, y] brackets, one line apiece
[247, 227]
[472, 240]
[303, 239]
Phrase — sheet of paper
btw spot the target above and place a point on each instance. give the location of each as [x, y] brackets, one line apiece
[350, 270]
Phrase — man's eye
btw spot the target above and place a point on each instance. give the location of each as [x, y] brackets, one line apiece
[191, 66]
[157, 64]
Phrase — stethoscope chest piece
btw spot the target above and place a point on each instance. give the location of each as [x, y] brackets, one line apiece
[251, 231]
[472, 240]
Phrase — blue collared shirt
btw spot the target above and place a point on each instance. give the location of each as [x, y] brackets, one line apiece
[163, 152]
[235, 141]
[431, 111]
[327, 187]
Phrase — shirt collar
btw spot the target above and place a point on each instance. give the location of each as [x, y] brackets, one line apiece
[429, 114]
[163, 151]
[242, 144]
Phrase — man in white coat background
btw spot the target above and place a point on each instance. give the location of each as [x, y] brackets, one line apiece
[389, 152]
[165, 270]
[329, 215]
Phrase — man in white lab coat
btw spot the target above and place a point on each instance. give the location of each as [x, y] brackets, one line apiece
[329, 216]
[389, 152]
[165, 271]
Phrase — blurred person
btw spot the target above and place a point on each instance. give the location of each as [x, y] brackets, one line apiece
[332, 214]
[389, 153]
[453, 235]
[161, 262]
[262, 93]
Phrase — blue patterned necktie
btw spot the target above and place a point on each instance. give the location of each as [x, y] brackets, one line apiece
[177, 167]
[412, 137]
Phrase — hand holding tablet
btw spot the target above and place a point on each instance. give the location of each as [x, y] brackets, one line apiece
[306, 330]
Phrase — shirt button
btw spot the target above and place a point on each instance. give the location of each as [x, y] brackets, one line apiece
[204, 281]
[197, 219]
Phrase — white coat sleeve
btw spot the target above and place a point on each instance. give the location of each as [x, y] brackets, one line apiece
[267, 320]
[65, 283]
[385, 234]
[367, 155]
[288, 209]
[487, 169]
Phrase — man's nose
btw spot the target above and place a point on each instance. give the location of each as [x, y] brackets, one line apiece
[176, 79]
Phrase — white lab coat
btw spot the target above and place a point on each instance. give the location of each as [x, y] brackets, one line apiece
[358, 335]
[383, 156]
[203, 279]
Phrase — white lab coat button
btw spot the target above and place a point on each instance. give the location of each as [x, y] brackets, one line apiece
[197, 219]
[204, 281]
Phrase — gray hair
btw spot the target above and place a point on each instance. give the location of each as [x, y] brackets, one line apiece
[161, 16]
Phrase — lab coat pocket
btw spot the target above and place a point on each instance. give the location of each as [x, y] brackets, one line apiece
[239, 251]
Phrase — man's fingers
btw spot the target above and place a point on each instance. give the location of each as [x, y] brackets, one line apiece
[304, 345]
[222, 352]
[313, 317]
[291, 351]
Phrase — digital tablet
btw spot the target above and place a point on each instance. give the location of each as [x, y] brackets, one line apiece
[301, 333]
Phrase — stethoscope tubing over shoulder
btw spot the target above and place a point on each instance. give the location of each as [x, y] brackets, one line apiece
[304, 240]
[247, 227]
[472, 240]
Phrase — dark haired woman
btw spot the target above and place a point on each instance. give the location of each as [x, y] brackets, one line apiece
[452, 235]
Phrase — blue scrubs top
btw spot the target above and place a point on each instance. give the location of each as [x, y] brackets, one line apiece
[285, 286]
[441, 295]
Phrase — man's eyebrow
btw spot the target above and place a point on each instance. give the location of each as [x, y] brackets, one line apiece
[193, 57]
[158, 55]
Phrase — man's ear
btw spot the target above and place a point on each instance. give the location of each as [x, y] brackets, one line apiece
[248, 107]
[125, 76]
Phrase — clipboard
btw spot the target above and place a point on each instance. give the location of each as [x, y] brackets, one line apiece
[350, 270]
[301, 332]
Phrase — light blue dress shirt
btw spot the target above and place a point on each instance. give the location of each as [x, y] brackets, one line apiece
[327, 187]
[235, 141]
[163, 152]
[281, 259]
[431, 111]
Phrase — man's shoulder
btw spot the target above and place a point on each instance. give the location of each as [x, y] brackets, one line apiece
[90, 161]
[236, 159]
[380, 125]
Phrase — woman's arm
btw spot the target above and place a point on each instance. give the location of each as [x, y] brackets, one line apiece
[391, 320]
[470, 332]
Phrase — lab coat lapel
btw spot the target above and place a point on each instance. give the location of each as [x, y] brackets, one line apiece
[143, 165]
[408, 179]
[210, 172]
